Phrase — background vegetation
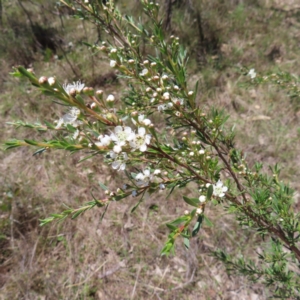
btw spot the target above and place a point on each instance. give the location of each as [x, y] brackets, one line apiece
[119, 257]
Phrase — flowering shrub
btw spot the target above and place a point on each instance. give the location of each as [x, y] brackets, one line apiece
[160, 138]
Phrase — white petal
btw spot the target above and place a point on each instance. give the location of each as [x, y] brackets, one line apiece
[123, 167]
[219, 184]
[118, 129]
[117, 149]
[116, 164]
[142, 131]
[143, 148]
[127, 129]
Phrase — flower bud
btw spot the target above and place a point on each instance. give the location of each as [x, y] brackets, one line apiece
[51, 81]
[72, 92]
[112, 63]
[43, 80]
[110, 98]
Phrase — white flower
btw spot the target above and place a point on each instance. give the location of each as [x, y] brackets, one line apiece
[162, 186]
[141, 140]
[166, 96]
[113, 63]
[161, 107]
[252, 73]
[113, 50]
[202, 198]
[69, 118]
[178, 101]
[201, 152]
[121, 136]
[144, 72]
[142, 120]
[77, 86]
[120, 160]
[145, 177]
[199, 211]
[110, 98]
[156, 172]
[51, 81]
[76, 134]
[219, 189]
[105, 140]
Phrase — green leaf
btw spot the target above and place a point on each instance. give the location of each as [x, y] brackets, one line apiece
[191, 201]
[180, 220]
[197, 225]
[209, 192]
[186, 243]
[171, 227]
[39, 151]
[208, 222]
[30, 142]
[104, 187]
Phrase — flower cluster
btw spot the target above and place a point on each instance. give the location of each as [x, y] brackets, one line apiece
[69, 118]
[169, 105]
[145, 177]
[74, 87]
[122, 140]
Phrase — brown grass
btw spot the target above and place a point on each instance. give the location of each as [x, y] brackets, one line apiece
[119, 258]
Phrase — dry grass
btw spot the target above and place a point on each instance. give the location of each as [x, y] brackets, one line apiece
[119, 258]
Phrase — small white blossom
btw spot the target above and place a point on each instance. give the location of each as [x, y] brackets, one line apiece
[77, 86]
[121, 136]
[119, 160]
[110, 98]
[219, 189]
[164, 77]
[113, 63]
[162, 186]
[145, 177]
[141, 140]
[69, 118]
[113, 50]
[190, 93]
[202, 198]
[144, 121]
[201, 152]
[166, 96]
[104, 140]
[76, 134]
[252, 73]
[144, 72]
[156, 172]
[199, 211]
[178, 101]
[51, 81]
